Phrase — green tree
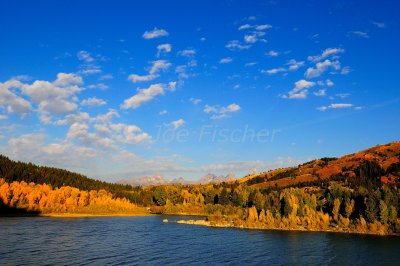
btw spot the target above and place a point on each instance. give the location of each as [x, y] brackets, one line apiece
[383, 212]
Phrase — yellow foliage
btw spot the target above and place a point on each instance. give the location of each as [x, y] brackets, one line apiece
[65, 199]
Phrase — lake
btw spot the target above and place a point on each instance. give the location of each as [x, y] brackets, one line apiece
[149, 241]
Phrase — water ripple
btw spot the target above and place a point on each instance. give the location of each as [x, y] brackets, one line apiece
[149, 241]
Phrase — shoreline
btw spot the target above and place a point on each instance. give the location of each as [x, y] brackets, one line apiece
[82, 215]
[208, 224]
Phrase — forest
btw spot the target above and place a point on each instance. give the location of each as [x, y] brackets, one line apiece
[355, 193]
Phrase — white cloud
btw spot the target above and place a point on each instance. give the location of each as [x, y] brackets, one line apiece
[85, 56]
[163, 49]
[138, 78]
[326, 53]
[245, 27]
[203, 39]
[107, 117]
[54, 98]
[274, 71]
[156, 67]
[107, 76]
[263, 27]
[300, 90]
[380, 25]
[320, 68]
[235, 45]
[178, 123]
[336, 106]
[65, 79]
[163, 112]
[195, 101]
[294, 65]
[225, 60]
[79, 131]
[159, 65]
[187, 52]
[221, 111]
[360, 34]
[320, 93]
[250, 38]
[100, 86]
[342, 95]
[272, 53]
[143, 96]
[102, 129]
[155, 33]
[345, 70]
[11, 101]
[329, 83]
[250, 64]
[89, 66]
[93, 102]
[72, 118]
[130, 134]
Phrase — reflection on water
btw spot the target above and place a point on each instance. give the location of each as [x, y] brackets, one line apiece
[147, 240]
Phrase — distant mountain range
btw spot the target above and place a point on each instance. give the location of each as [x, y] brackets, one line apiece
[160, 180]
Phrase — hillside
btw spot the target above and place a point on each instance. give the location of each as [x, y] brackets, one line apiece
[12, 171]
[355, 193]
[381, 162]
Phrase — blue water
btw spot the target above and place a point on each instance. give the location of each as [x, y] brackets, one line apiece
[149, 241]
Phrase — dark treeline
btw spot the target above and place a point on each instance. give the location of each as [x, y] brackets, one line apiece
[19, 171]
[361, 202]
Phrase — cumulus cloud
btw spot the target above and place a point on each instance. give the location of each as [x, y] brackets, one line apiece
[225, 60]
[320, 68]
[219, 112]
[55, 97]
[178, 123]
[320, 92]
[187, 52]
[329, 83]
[155, 33]
[336, 106]
[163, 49]
[156, 67]
[294, 65]
[195, 101]
[79, 131]
[263, 27]
[12, 102]
[93, 102]
[272, 53]
[85, 56]
[100, 86]
[326, 53]
[89, 65]
[274, 71]
[250, 38]
[300, 90]
[129, 134]
[245, 27]
[147, 95]
[235, 45]
[138, 78]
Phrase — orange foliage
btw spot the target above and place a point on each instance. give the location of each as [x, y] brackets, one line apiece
[36, 197]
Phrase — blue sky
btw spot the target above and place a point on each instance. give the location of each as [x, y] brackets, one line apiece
[124, 89]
